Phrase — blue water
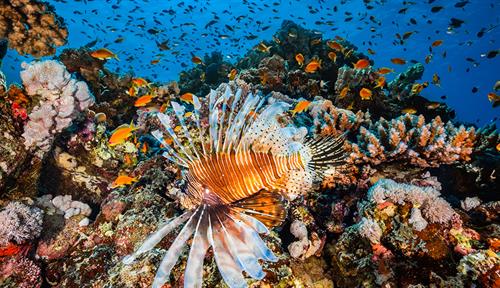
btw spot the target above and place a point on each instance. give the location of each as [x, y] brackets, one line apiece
[182, 25]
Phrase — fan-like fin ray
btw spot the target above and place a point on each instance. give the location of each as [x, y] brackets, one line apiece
[174, 252]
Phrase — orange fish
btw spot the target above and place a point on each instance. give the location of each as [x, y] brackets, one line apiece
[262, 47]
[380, 82]
[121, 134]
[333, 56]
[365, 93]
[315, 41]
[335, 45]
[498, 147]
[313, 66]
[300, 107]
[409, 111]
[139, 82]
[428, 59]
[132, 91]
[155, 61]
[370, 51]
[187, 97]
[437, 43]
[123, 180]
[417, 88]
[196, 60]
[11, 249]
[144, 148]
[398, 61]
[494, 98]
[361, 64]
[300, 59]
[343, 93]
[143, 100]
[232, 74]
[103, 54]
[385, 70]
[100, 117]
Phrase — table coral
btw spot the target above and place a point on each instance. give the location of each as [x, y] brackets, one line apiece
[31, 27]
[61, 99]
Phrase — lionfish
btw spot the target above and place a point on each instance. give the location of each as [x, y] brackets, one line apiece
[238, 177]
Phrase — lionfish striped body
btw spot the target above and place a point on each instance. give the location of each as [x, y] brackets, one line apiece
[236, 183]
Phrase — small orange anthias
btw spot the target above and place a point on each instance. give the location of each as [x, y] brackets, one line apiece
[239, 174]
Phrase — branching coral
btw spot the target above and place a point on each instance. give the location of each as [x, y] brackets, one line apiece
[62, 98]
[20, 272]
[330, 120]
[20, 223]
[31, 27]
[409, 138]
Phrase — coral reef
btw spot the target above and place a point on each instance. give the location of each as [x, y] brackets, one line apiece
[31, 27]
[415, 205]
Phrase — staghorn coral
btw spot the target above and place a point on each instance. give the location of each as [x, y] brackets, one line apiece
[31, 27]
[62, 98]
[409, 138]
[20, 223]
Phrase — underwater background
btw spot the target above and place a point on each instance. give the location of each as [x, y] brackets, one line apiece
[281, 143]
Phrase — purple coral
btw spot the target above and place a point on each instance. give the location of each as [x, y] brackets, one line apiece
[20, 223]
[62, 98]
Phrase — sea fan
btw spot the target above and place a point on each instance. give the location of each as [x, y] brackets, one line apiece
[236, 182]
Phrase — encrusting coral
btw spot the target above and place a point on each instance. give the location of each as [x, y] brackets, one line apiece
[31, 27]
[61, 99]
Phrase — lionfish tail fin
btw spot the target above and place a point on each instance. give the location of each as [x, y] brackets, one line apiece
[325, 153]
[232, 234]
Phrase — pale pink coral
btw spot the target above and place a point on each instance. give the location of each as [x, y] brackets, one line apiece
[20, 223]
[62, 98]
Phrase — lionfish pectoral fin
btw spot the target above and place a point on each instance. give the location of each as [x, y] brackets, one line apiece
[157, 236]
[237, 245]
[325, 153]
[265, 206]
[174, 251]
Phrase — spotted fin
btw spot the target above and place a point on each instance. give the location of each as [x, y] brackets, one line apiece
[265, 206]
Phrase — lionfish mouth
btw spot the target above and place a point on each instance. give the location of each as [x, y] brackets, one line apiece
[238, 179]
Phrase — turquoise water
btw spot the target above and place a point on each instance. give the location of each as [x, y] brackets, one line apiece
[133, 29]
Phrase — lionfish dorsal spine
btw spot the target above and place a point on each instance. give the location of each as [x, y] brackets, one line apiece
[170, 154]
[179, 112]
